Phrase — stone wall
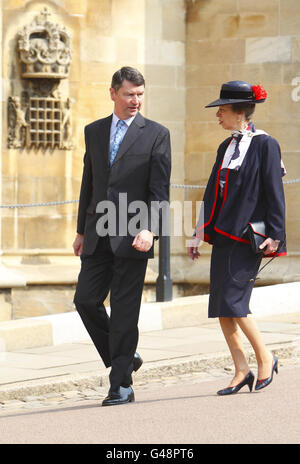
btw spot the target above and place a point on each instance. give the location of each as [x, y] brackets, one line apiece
[258, 42]
[106, 34]
[30, 176]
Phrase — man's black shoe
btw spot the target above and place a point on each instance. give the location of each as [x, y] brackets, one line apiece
[122, 396]
[137, 362]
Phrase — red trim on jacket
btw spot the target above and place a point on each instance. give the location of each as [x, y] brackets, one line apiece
[225, 188]
[206, 238]
[271, 255]
[257, 233]
[233, 237]
[215, 202]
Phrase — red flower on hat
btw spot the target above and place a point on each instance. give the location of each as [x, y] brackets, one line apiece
[259, 92]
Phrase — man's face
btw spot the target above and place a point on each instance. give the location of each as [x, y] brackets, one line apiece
[128, 99]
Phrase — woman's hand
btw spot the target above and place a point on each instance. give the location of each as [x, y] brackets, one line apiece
[271, 245]
[193, 248]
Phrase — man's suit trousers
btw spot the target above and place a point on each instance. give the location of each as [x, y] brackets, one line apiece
[114, 337]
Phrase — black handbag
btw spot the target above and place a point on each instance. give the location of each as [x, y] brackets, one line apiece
[256, 233]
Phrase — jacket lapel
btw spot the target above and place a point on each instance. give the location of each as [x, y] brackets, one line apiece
[249, 165]
[101, 140]
[131, 135]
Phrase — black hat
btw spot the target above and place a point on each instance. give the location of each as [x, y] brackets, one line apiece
[239, 92]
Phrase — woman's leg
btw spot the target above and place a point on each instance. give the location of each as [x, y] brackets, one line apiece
[235, 343]
[263, 355]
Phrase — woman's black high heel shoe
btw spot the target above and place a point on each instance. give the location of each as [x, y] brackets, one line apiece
[248, 380]
[260, 384]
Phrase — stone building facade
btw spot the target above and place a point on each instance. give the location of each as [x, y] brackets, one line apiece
[186, 49]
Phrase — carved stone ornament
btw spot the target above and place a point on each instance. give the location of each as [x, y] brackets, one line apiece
[44, 49]
[17, 123]
[40, 118]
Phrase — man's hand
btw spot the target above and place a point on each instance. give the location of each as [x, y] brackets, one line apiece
[271, 245]
[78, 244]
[143, 241]
[193, 248]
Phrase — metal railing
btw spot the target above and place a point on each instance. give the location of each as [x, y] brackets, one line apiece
[58, 203]
[164, 280]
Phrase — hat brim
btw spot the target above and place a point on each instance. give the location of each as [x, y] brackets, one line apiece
[231, 101]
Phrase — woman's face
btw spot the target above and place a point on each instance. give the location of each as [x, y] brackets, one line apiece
[229, 119]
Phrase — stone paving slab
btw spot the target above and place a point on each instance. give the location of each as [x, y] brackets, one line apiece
[157, 346]
[191, 311]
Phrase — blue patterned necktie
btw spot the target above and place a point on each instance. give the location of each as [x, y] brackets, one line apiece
[119, 135]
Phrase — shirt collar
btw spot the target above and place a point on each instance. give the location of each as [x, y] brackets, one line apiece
[115, 120]
[249, 130]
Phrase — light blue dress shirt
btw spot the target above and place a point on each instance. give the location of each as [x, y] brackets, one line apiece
[113, 127]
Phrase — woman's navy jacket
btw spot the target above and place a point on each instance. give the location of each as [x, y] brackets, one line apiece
[255, 194]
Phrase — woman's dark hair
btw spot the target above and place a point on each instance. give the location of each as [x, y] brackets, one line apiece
[129, 74]
[246, 108]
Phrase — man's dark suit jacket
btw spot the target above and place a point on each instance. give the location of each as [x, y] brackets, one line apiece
[141, 170]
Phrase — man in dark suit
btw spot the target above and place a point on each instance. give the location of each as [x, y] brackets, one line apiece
[126, 166]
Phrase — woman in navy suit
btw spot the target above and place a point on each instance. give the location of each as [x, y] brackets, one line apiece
[245, 186]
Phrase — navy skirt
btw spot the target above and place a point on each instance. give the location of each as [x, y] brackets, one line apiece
[233, 269]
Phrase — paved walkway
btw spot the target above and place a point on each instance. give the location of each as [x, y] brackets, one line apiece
[51, 375]
[180, 414]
